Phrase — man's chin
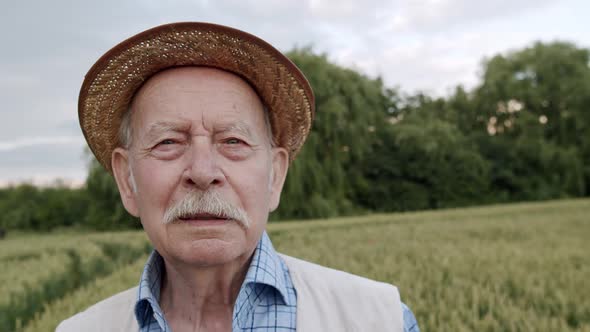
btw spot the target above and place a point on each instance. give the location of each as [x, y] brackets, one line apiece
[208, 252]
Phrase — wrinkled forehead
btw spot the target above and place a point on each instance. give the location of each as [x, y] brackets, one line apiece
[193, 79]
[185, 93]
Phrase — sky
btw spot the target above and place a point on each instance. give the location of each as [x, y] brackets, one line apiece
[416, 45]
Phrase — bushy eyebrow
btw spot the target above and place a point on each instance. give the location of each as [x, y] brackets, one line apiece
[239, 127]
[164, 126]
[160, 127]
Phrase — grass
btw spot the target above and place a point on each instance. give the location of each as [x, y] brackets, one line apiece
[97, 290]
[51, 266]
[517, 267]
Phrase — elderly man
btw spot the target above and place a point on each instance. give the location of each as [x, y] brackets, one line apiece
[198, 123]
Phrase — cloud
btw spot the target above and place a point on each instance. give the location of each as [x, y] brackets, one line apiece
[347, 11]
[417, 44]
[6, 146]
[43, 159]
[76, 178]
[440, 15]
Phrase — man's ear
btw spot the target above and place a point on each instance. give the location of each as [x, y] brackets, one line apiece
[280, 165]
[122, 173]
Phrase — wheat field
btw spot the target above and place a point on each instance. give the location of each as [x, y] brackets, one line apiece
[517, 267]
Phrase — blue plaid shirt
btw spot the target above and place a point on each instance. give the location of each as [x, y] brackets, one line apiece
[267, 300]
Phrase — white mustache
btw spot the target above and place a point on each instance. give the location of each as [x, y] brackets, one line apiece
[205, 202]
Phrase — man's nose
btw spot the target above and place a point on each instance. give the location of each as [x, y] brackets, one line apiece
[203, 169]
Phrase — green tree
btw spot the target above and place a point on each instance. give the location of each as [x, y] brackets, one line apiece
[537, 100]
[105, 211]
[423, 163]
[27, 207]
[350, 109]
[548, 80]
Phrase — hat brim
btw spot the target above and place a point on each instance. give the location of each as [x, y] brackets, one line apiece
[113, 80]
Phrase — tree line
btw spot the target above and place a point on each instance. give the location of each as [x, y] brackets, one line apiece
[521, 134]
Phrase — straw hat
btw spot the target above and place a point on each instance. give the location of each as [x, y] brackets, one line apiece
[112, 81]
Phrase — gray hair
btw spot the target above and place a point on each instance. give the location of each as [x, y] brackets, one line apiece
[126, 133]
[205, 202]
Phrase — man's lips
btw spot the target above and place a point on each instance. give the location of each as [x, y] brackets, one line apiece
[203, 218]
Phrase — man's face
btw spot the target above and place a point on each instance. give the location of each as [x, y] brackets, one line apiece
[197, 129]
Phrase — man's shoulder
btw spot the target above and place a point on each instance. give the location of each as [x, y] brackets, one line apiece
[322, 275]
[116, 310]
[333, 300]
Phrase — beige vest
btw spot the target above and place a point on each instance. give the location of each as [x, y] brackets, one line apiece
[327, 300]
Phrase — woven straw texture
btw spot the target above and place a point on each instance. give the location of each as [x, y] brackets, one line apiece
[111, 83]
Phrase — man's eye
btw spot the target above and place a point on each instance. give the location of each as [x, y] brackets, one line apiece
[167, 141]
[233, 141]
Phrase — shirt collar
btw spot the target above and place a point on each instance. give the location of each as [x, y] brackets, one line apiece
[266, 268]
[148, 296]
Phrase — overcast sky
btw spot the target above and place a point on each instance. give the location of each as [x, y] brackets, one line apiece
[428, 45]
